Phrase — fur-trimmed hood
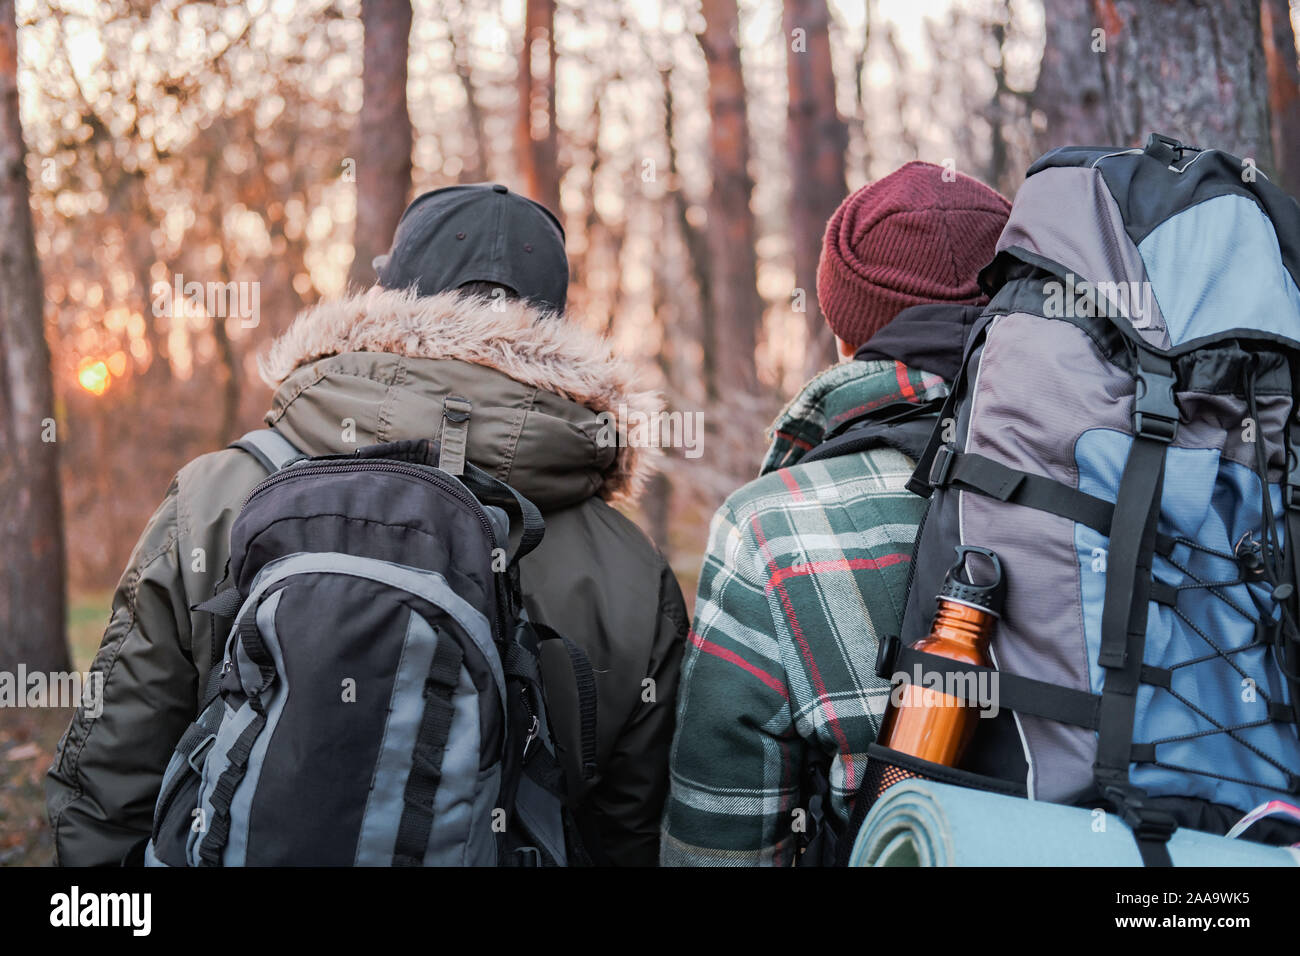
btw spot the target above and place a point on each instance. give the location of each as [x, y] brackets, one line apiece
[537, 382]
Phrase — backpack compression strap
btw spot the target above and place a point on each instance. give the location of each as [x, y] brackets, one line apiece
[271, 449]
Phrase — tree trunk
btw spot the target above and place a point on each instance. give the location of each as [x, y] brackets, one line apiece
[536, 137]
[817, 139]
[230, 392]
[1071, 91]
[1192, 70]
[475, 160]
[1283, 89]
[696, 242]
[1000, 175]
[861, 63]
[382, 148]
[737, 306]
[32, 608]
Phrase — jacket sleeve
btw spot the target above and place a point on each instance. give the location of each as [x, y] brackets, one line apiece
[734, 765]
[100, 792]
[630, 798]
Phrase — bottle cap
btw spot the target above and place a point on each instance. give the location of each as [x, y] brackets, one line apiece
[976, 579]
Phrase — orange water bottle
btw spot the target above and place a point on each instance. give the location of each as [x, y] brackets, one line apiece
[929, 723]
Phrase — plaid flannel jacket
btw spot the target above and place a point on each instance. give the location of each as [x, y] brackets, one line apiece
[806, 569]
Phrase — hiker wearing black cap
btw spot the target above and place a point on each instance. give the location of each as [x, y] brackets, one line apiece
[469, 302]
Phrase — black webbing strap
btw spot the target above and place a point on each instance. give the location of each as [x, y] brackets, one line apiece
[250, 639]
[1024, 695]
[223, 606]
[218, 824]
[968, 471]
[225, 603]
[584, 678]
[893, 413]
[493, 491]
[908, 437]
[198, 737]
[1152, 827]
[218, 827]
[1067, 705]
[212, 687]
[543, 768]
[917, 483]
[208, 723]
[1128, 589]
[972, 472]
[426, 758]
[1286, 650]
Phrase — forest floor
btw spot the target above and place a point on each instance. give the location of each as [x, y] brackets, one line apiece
[28, 737]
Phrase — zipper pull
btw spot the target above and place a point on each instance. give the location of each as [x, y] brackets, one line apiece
[533, 731]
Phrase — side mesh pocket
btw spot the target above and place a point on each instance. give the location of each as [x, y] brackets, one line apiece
[886, 767]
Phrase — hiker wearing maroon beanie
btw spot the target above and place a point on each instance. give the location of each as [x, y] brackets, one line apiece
[918, 236]
[807, 565]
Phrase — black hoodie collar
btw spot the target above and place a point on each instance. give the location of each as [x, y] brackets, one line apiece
[930, 337]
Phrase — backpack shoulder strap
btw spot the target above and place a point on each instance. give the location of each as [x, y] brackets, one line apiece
[907, 431]
[271, 449]
[907, 437]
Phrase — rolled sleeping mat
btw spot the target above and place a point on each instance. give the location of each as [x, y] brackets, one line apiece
[923, 823]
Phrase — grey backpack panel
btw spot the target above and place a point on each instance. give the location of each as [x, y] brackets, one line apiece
[1068, 216]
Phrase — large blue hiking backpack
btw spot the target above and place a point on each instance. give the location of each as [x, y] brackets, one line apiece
[379, 700]
[1123, 435]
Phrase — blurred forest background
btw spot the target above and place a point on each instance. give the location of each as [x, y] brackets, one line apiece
[692, 148]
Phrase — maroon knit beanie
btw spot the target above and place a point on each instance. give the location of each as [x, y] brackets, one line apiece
[904, 240]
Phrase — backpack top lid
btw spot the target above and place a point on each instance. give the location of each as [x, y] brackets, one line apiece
[1182, 244]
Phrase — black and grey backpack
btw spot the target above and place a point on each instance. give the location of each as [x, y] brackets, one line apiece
[1124, 436]
[379, 701]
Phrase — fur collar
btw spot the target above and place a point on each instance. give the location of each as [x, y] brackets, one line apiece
[520, 341]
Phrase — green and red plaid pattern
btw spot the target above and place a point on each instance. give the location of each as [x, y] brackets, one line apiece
[806, 569]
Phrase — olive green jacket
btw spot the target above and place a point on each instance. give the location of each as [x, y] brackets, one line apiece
[375, 368]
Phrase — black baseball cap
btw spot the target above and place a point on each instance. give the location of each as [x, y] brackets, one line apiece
[478, 233]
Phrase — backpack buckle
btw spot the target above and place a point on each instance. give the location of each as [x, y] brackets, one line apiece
[1146, 822]
[1155, 409]
[1291, 487]
[1291, 494]
[528, 856]
[1164, 148]
[941, 466]
[886, 656]
[197, 753]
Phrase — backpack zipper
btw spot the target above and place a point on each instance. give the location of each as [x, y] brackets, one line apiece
[424, 473]
[916, 547]
[534, 726]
